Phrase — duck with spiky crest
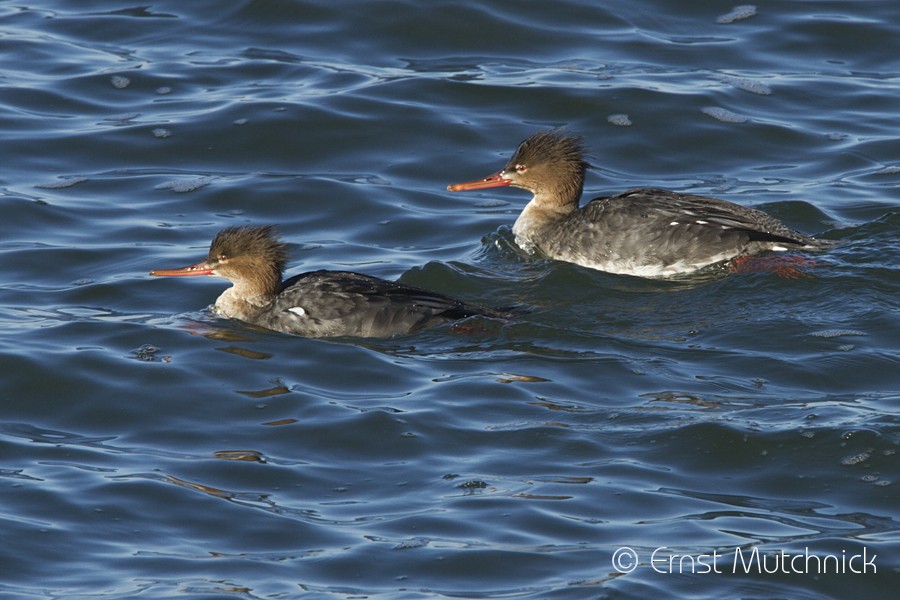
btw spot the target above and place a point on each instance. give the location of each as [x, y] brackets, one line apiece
[318, 303]
[642, 232]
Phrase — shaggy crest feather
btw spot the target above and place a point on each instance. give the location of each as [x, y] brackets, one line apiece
[257, 245]
[555, 153]
[564, 148]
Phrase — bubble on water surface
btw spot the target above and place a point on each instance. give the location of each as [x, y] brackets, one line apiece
[855, 459]
[475, 484]
[830, 333]
[119, 82]
[747, 85]
[159, 132]
[184, 185]
[63, 182]
[413, 543]
[738, 13]
[723, 115]
[147, 353]
[621, 120]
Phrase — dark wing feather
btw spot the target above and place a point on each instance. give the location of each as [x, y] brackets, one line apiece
[690, 208]
[649, 229]
[335, 303]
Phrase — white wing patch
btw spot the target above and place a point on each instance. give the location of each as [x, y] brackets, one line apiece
[298, 310]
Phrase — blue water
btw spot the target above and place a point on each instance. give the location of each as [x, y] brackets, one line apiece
[149, 450]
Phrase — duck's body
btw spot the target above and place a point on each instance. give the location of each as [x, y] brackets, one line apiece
[644, 232]
[318, 303]
[654, 233]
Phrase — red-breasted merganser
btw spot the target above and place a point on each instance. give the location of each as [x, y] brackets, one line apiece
[318, 303]
[644, 232]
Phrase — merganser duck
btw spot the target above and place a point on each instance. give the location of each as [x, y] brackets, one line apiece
[643, 232]
[318, 303]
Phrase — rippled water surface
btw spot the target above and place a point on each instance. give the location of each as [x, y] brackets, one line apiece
[148, 449]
